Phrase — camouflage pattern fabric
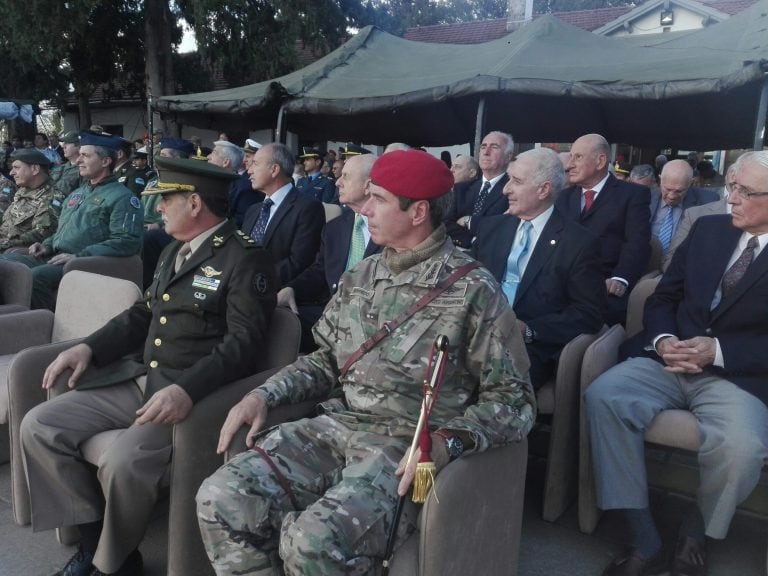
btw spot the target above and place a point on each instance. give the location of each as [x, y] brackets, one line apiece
[31, 217]
[485, 393]
[65, 178]
[7, 190]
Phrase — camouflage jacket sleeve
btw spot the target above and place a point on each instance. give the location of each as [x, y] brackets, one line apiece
[43, 225]
[505, 409]
[125, 229]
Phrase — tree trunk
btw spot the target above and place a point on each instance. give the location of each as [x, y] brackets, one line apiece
[159, 63]
[83, 109]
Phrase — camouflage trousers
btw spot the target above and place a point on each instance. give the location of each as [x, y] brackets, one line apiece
[342, 479]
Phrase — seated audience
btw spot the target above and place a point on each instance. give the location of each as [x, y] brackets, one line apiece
[547, 265]
[702, 350]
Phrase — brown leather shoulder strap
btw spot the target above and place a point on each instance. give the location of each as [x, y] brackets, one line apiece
[391, 326]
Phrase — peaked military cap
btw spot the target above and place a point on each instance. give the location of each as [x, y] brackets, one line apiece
[202, 153]
[140, 153]
[310, 153]
[88, 138]
[251, 146]
[177, 144]
[31, 156]
[353, 150]
[188, 175]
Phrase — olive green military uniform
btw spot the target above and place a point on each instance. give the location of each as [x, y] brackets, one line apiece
[101, 220]
[341, 465]
[31, 217]
[149, 205]
[136, 180]
[65, 178]
[200, 328]
[7, 190]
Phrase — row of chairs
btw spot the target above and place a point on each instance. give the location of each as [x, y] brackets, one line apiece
[436, 549]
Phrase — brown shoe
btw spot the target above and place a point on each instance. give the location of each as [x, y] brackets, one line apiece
[690, 558]
[631, 563]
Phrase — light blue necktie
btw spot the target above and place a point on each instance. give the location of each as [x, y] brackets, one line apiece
[667, 227]
[516, 255]
[357, 246]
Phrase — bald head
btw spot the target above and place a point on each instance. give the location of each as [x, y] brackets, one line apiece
[588, 162]
[674, 182]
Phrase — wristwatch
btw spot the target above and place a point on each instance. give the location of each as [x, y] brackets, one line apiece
[453, 444]
[529, 335]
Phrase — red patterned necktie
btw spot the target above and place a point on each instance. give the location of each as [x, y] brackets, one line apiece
[589, 198]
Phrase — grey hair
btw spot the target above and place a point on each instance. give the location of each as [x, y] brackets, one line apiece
[755, 156]
[641, 171]
[104, 152]
[234, 155]
[510, 147]
[548, 168]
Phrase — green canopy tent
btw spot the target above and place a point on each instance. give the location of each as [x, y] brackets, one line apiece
[547, 81]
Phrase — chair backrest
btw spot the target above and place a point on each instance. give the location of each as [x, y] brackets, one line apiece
[331, 211]
[87, 301]
[602, 354]
[283, 339]
[15, 283]
[636, 304]
[125, 267]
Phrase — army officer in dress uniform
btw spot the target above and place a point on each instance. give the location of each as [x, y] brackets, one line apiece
[199, 323]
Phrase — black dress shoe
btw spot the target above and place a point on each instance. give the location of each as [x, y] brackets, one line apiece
[133, 566]
[79, 564]
[631, 563]
[690, 558]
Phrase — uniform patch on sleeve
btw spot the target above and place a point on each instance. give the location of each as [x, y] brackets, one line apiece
[261, 283]
[135, 202]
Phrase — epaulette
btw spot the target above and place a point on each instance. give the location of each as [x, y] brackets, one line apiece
[241, 236]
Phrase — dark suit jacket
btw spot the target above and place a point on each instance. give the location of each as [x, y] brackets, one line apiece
[562, 292]
[241, 197]
[293, 233]
[464, 201]
[318, 282]
[620, 218]
[199, 327]
[694, 197]
[680, 305]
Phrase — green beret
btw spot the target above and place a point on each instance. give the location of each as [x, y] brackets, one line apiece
[31, 156]
[187, 175]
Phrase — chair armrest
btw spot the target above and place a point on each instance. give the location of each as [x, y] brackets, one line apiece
[25, 375]
[488, 486]
[21, 330]
[195, 458]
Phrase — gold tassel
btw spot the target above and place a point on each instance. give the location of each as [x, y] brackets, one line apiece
[422, 482]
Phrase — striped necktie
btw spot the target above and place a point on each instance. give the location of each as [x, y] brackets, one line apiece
[357, 245]
[260, 229]
[667, 227]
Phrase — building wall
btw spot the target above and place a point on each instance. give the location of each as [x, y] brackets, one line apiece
[649, 23]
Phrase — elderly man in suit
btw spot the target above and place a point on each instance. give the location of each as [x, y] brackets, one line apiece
[199, 326]
[345, 241]
[690, 216]
[616, 212]
[547, 265]
[703, 350]
[483, 197]
[672, 198]
[288, 224]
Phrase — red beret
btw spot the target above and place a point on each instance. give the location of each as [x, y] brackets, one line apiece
[412, 174]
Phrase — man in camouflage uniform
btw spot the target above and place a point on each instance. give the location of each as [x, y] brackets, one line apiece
[66, 176]
[7, 190]
[34, 213]
[100, 218]
[346, 468]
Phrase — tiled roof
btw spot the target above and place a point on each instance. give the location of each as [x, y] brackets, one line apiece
[486, 30]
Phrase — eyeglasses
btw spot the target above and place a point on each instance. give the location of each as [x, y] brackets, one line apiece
[745, 193]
